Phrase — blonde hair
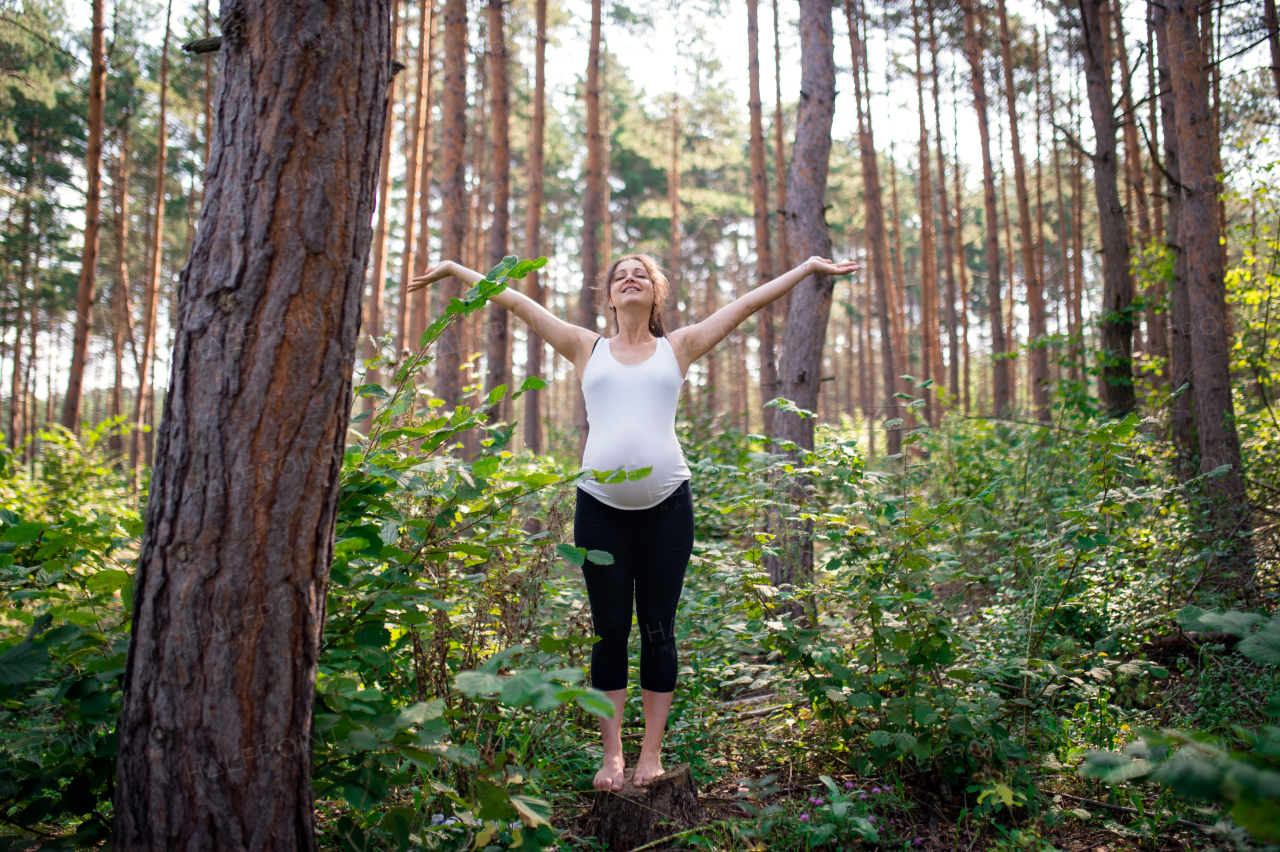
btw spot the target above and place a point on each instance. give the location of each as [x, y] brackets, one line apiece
[661, 292]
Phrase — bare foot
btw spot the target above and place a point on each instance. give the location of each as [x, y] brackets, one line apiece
[647, 768]
[610, 775]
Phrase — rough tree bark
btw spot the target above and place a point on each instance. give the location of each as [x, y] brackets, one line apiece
[219, 687]
[1198, 234]
[760, 202]
[800, 371]
[499, 354]
[1115, 379]
[1272, 23]
[973, 51]
[142, 406]
[533, 227]
[1030, 268]
[453, 190]
[92, 221]
[877, 240]
[673, 205]
[1182, 424]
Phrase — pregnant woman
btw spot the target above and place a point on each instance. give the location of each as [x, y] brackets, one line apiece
[631, 382]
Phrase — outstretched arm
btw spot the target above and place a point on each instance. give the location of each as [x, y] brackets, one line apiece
[569, 340]
[692, 342]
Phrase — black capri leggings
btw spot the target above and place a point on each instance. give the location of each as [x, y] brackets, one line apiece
[650, 549]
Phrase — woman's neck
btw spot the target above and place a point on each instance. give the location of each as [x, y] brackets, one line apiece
[634, 330]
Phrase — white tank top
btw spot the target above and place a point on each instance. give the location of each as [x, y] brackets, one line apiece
[631, 409]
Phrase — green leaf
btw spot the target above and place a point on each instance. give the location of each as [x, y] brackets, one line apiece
[639, 473]
[473, 684]
[534, 812]
[596, 702]
[600, 557]
[24, 661]
[349, 545]
[24, 533]
[107, 581]
[532, 383]
[574, 555]
[1263, 647]
[420, 713]
[496, 394]
[486, 467]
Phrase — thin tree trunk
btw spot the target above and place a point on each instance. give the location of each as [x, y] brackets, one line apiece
[1077, 264]
[229, 604]
[948, 228]
[1030, 268]
[1064, 271]
[999, 375]
[1042, 274]
[929, 350]
[1272, 23]
[92, 222]
[16, 399]
[784, 260]
[155, 258]
[1158, 337]
[120, 295]
[760, 204]
[453, 190]
[1115, 379]
[1182, 418]
[415, 136]
[419, 300]
[591, 209]
[673, 207]
[962, 260]
[1132, 149]
[533, 228]
[1199, 238]
[1013, 362]
[499, 102]
[373, 306]
[877, 240]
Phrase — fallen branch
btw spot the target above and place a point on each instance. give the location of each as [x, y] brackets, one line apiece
[1093, 803]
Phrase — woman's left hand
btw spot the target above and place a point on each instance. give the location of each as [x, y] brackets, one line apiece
[824, 266]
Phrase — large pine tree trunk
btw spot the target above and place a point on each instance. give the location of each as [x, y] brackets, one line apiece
[142, 414]
[1132, 150]
[92, 217]
[499, 334]
[1198, 234]
[533, 227]
[999, 374]
[760, 203]
[219, 689]
[1182, 424]
[801, 370]
[1115, 380]
[877, 240]
[454, 212]
[807, 224]
[1030, 267]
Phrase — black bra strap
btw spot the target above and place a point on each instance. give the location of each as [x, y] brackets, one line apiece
[594, 345]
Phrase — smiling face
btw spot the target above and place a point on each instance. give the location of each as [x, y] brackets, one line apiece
[631, 286]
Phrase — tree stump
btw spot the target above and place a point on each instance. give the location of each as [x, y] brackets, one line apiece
[635, 816]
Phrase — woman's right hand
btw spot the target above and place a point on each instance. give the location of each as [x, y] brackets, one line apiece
[436, 273]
